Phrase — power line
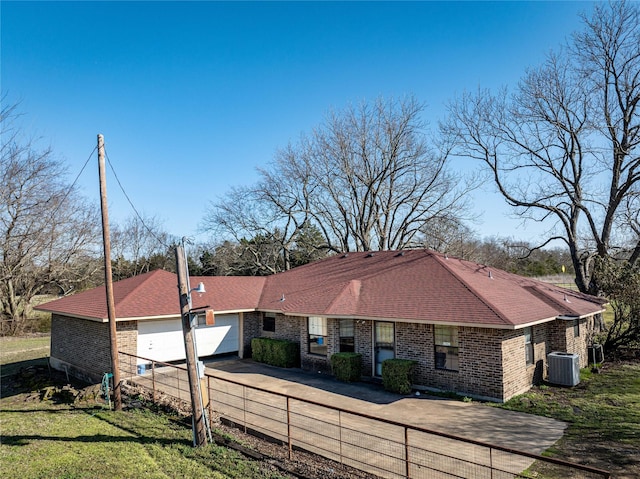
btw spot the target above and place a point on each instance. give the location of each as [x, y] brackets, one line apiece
[151, 232]
[70, 189]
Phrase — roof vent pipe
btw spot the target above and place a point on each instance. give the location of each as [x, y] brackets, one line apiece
[282, 299]
[490, 275]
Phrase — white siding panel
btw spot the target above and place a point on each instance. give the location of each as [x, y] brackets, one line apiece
[162, 340]
[224, 337]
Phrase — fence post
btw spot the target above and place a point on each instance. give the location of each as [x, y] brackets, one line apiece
[406, 452]
[340, 433]
[244, 407]
[153, 379]
[289, 430]
[491, 461]
[210, 407]
[177, 371]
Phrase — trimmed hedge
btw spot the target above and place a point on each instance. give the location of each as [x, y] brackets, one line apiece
[275, 352]
[347, 366]
[397, 375]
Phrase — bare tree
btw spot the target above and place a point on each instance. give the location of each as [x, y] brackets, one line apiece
[563, 149]
[367, 178]
[48, 234]
[139, 246]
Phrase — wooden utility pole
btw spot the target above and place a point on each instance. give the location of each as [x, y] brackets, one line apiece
[199, 426]
[111, 309]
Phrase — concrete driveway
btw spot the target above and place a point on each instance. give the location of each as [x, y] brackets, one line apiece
[473, 420]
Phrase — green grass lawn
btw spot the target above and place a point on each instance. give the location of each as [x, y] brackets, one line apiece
[603, 414]
[45, 440]
[48, 440]
[19, 352]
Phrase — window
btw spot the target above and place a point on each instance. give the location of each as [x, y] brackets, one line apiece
[317, 335]
[384, 339]
[446, 341]
[347, 343]
[269, 322]
[528, 345]
[576, 328]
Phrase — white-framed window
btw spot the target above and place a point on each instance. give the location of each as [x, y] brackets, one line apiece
[446, 346]
[528, 346]
[317, 335]
[347, 336]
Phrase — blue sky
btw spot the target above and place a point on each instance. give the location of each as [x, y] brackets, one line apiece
[192, 97]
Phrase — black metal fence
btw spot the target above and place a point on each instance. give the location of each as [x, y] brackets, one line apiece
[379, 446]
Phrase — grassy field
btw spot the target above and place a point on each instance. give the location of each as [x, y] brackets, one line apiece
[61, 441]
[22, 351]
[49, 439]
[603, 413]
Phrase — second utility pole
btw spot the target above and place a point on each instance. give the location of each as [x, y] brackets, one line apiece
[197, 409]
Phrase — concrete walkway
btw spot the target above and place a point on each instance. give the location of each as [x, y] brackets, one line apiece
[473, 420]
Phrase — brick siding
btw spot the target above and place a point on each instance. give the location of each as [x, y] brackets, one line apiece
[562, 337]
[363, 339]
[83, 347]
[479, 352]
[251, 328]
[492, 363]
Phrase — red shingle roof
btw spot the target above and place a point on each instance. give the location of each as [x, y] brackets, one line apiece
[155, 294]
[414, 285]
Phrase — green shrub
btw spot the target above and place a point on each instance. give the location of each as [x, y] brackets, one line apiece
[275, 352]
[347, 366]
[397, 375]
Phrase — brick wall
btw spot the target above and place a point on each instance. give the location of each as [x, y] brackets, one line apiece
[363, 332]
[492, 361]
[480, 359]
[562, 337]
[127, 332]
[251, 328]
[83, 347]
[517, 375]
[80, 346]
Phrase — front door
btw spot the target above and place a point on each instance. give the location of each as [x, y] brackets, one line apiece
[384, 341]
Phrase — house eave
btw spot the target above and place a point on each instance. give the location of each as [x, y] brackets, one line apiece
[118, 319]
[408, 320]
[571, 317]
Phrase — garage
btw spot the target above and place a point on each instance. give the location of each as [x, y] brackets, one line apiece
[162, 340]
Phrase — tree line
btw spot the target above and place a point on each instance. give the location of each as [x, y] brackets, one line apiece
[561, 148]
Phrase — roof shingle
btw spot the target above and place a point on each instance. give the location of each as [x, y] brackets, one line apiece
[413, 285]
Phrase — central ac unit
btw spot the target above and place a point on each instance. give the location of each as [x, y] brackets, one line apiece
[564, 368]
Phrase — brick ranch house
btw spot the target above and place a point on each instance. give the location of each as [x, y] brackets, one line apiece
[472, 329]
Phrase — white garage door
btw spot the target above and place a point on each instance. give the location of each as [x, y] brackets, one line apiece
[162, 340]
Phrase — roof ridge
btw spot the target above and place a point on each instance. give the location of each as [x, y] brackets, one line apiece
[348, 287]
[128, 294]
[548, 298]
[540, 286]
[471, 289]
